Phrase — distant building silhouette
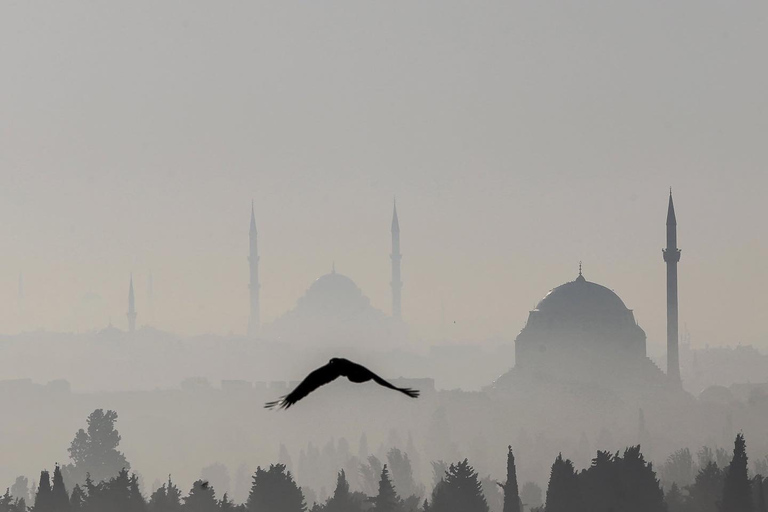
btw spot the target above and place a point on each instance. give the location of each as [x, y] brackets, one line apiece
[582, 332]
[397, 284]
[334, 309]
[131, 308]
[254, 319]
[671, 257]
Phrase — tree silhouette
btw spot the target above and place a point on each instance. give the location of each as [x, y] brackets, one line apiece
[678, 468]
[20, 488]
[674, 499]
[166, 498]
[341, 499]
[370, 474]
[77, 499]
[95, 451]
[759, 494]
[387, 499]
[201, 498]
[531, 495]
[59, 496]
[274, 490]
[460, 491]
[6, 501]
[563, 493]
[402, 474]
[511, 491]
[44, 498]
[706, 492]
[737, 492]
[226, 505]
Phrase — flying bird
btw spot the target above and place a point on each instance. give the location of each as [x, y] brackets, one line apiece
[336, 367]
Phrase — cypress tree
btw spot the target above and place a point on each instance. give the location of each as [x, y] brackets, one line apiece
[737, 493]
[563, 493]
[511, 491]
[341, 499]
[59, 496]
[43, 498]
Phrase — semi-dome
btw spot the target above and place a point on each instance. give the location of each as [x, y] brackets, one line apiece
[580, 295]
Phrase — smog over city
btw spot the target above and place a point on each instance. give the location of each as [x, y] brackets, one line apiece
[383, 256]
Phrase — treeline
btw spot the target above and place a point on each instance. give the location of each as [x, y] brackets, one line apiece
[622, 481]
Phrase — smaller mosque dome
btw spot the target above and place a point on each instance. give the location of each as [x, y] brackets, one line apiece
[334, 284]
[333, 293]
[580, 295]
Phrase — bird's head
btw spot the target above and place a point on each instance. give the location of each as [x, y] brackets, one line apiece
[334, 360]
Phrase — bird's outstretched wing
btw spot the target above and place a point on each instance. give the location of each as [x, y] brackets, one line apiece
[413, 393]
[314, 380]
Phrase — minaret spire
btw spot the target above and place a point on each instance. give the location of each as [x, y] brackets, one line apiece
[671, 257]
[131, 308]
[397, 284]
[254, 286]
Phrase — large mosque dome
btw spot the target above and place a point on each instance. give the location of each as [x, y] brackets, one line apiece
[581, 297]
[582, 331]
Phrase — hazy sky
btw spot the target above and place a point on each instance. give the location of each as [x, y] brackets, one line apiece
[518, 137]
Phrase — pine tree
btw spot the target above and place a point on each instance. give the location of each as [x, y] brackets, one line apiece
[59, 496]
[511, 491]
[460, 491]
[274, 490]
[201, 498]
[563, 493]
[43, 498]
[6, 501]
[226, 505]
[20, 505]
[387, 500]
[706, 492]
[737, 493]
[136, 502]
[77, 499]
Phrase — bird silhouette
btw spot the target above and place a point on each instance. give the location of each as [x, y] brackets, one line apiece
[336, 367]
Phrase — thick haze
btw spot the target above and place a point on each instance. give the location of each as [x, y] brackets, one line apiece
[519, 138]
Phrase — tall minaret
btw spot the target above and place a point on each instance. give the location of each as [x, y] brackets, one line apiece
[131, 308]
[671, 257]
[397, 284]
[253, 259]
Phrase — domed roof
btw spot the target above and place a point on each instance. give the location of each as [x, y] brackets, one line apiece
[580, 295]
[334, 285]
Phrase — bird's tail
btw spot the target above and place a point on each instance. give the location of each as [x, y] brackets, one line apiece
[413, 393]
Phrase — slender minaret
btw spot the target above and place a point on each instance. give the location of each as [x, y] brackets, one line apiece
[671, 257]
[131, 308]
[253, 259]
[397, 284]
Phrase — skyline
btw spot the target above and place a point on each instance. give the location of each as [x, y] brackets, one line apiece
[232, 330]
[519, 139]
